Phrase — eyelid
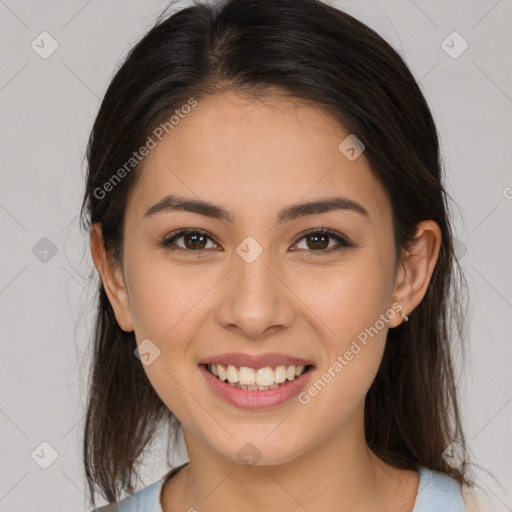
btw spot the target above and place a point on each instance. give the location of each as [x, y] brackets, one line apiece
[166, 242]
[334, 234]
[341, 239]
[342, 243]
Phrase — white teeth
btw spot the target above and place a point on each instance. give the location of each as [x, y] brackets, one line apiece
[260, 378]
[246, 376]
[290, 372]
[220, 370]
[265, 376]
[232, 373]
[280, 374]
[254, 388]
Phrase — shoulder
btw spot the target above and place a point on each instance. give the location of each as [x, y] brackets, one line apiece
[437, 491]
[145, 500]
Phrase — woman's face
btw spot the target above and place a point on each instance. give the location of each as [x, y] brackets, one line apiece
[256, 283]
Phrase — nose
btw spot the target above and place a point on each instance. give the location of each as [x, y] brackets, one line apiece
[256, 300]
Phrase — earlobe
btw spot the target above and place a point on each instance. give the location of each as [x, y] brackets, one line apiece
[112, 278]
[416, 270]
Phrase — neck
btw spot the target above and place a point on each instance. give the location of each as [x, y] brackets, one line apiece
[341, 474]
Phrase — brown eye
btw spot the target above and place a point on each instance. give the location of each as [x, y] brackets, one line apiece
[318, 240]
[193, 240]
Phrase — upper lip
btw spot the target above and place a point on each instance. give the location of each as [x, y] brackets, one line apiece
[256, 361]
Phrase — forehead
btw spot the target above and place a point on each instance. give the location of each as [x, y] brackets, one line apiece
[255, 156]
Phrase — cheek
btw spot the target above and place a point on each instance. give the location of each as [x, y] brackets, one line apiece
[340, 306]
[351, 313]
[354, 317]
[168, 305]
[165, 299]
[341, 302]
[347, 299]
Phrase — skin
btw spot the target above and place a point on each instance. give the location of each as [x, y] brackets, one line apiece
[254, 158]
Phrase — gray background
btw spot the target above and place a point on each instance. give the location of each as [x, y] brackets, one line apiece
[47, 109]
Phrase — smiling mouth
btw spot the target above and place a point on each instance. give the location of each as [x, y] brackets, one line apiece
[257, 379]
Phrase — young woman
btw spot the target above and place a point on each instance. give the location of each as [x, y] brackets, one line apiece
[268, 218]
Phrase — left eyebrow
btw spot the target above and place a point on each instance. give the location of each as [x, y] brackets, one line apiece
[176, 203]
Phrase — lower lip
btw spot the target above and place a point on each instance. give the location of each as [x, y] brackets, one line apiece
[254, 399]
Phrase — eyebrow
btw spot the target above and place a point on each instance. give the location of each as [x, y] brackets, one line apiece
[175, 203]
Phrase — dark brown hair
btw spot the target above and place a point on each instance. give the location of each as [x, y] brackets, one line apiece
[310, 51]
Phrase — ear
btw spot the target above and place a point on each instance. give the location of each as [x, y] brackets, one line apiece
[413, 276]
[112, 278]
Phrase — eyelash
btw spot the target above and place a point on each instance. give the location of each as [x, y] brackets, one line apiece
[169, 240]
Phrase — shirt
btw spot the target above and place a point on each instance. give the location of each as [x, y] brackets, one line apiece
[436, 492]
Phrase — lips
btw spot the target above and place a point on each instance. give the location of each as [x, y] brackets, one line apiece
[256, 360]
[256, 399]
